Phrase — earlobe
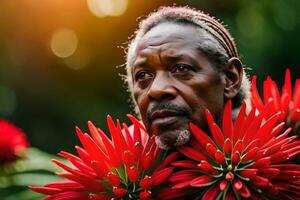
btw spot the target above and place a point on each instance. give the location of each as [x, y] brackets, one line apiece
[233, 77]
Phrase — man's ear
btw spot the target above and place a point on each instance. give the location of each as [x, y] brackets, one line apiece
[233, 77]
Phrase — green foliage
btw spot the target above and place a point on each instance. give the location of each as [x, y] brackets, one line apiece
[35, 169]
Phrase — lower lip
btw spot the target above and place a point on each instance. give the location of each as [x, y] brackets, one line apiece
[164, 121]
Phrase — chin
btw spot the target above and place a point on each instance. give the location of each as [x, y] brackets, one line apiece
[172, 138]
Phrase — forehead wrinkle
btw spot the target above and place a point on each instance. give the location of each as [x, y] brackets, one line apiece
[164, 45]
[168, 53]
[159, 39]
[144, 56]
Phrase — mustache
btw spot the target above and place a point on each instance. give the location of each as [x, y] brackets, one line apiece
[168, 106]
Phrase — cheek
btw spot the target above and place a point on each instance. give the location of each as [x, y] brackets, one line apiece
[141, 101]
[211, 96]
[208, 93]
[213, 100]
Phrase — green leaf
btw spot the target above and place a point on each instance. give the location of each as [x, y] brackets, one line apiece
[35, 160]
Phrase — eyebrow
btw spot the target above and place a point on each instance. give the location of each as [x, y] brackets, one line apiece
[178, 57]
[141, 63]
[172, 58]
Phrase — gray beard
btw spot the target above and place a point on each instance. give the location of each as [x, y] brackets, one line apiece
[172, 139]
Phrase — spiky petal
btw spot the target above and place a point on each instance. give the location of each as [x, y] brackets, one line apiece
[237, 167]
[288, 101]
[125, 166]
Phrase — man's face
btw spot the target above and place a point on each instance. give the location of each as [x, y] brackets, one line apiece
[173, 82]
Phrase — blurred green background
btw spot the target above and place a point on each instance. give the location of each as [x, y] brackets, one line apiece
[60, 60]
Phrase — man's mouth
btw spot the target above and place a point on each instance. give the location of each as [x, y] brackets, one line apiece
[164, 117]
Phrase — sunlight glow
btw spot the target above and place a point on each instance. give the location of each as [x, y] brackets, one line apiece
[103, 8]
[64, 42]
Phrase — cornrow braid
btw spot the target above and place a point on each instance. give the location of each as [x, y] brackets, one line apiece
[221, 46]
[224, 37]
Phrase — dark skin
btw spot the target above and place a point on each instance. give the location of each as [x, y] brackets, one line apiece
[174, 81]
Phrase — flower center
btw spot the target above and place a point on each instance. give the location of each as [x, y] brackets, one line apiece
[229, 167]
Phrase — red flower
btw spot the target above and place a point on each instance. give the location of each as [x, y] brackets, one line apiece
[13, 142]
[242, 160]
[129, 165]
[288, 101]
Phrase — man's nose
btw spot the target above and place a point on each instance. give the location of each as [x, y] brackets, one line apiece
[162, 88]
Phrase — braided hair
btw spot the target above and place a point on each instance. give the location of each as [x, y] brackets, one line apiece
[218, 44]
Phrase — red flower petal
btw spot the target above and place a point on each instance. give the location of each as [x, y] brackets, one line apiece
[147, 161]
[256, 100]
[88, 182]
[128, 136]
[263, 162]
[146, 183]
[235, 158]
[45, 190]
[223, 185]
[227, 121]
[83, 155]
[227, 146]
[238, 146]
[259, 181]
[248, 173]
[200, 136]
[185, 164]
[202, 181]
[96, 136]
[67, 195]
[211, 150]
[160, 176]
[101, 197]
[100, 168]
[250, 155]
[237, 184]
[214, 129]
[168, 193]
[192, 153]
[66, 185]
[183, 176]
[211, 193]
[205, 166]
[220, 158]
[133, 174]
[170, 158]
[230, 196]
[128, 158]
[145, 195]
[229, 176]
[113, 179]
[137, 123]
[119, 192]
[77, 162]
[116, 135]
[244, 192]
[237, 127]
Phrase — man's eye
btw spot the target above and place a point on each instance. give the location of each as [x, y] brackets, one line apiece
[179, 68]
[142, 76]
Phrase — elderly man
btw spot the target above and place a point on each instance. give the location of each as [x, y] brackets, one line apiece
[180, 62]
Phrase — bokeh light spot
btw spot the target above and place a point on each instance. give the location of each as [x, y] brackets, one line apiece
[64, 42]
[119, 7]
[7, 101]
[103, 8]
